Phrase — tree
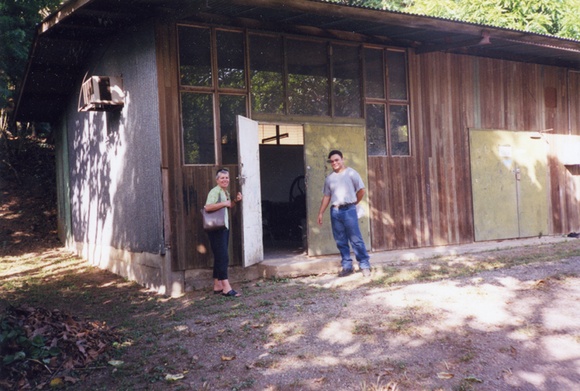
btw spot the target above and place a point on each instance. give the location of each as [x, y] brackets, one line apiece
[18, 19]
[560, 18]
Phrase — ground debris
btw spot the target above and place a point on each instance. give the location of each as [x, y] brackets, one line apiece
[38, 346]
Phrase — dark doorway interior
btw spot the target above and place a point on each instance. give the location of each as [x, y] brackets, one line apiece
[283, 197]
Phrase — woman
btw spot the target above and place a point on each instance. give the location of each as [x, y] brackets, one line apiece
[217, 198]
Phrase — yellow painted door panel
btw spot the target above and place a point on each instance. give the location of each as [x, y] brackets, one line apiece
[319, 140]
[532, 181]
[495, 214]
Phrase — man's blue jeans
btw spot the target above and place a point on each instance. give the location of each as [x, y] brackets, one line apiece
[345, 230]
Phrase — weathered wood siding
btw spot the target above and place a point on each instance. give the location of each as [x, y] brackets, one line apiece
[565, 180]
[425, 199]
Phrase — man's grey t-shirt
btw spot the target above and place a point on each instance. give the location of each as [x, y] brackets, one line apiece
[342, 187]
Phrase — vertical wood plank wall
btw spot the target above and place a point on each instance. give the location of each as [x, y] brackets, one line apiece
[425, 200]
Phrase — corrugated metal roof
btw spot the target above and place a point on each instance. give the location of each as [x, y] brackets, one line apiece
[66, 38]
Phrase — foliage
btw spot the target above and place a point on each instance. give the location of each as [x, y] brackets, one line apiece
[36, 345]
[18, 19]
[559, 18]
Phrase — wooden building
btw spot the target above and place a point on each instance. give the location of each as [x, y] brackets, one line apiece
[462, 132]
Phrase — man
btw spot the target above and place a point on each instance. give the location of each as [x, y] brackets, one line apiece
[343, 189]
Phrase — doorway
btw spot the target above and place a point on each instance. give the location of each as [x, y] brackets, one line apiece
[283, 189]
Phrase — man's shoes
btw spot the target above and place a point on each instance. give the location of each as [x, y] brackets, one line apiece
[345, 272]
[366, 272]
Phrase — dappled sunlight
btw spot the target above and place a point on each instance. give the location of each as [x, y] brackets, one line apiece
[27, 265]
[505, 326]
[337, 332]
[562, 347]
[528, 152]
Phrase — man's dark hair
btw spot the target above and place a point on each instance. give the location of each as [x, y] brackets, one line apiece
[335, 152]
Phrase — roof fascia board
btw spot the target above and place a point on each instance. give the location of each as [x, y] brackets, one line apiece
[65, 11]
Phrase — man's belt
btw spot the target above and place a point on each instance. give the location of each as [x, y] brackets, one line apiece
[343, 206]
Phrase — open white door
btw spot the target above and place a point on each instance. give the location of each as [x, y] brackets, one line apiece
[249, 161]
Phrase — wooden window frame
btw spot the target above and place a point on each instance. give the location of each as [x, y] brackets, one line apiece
[387, 102]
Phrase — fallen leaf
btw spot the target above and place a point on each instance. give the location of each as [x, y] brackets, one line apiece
[56, 382]
[116, 363]
[540, 282]
[473, 379]
[171, 378]
[445, 375]
[228, 358]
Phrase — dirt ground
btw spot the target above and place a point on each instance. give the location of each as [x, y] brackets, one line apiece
[501, 320]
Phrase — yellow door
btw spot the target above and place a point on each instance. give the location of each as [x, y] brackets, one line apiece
[509, 184]
[532, 185]
[319, 140]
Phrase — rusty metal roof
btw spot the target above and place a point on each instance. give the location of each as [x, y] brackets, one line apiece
[66, 38]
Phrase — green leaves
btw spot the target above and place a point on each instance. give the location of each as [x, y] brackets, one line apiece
[16, 346]
[559, 18]
[18, 19]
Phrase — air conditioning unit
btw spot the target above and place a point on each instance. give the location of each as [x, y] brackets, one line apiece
[102, 93]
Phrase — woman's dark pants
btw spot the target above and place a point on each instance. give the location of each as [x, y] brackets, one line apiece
[219, 246]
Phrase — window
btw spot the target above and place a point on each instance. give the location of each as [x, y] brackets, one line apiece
[198, 133]
[399, 130]
[230, 59]
[230, 107]
[376, 136]
[308, 88]
[387, 119]
[374, 73]
[346, 81]
[194, 56]
[267, 74]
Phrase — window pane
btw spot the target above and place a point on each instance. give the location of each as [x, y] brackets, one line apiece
[230, 53]
[399, 127]
[346, 81]
[198, 133]
[397, 75]
[376, 131]
[307, 78]
[374, 74]
[194, 56]
[266, 74]
[230, 107]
